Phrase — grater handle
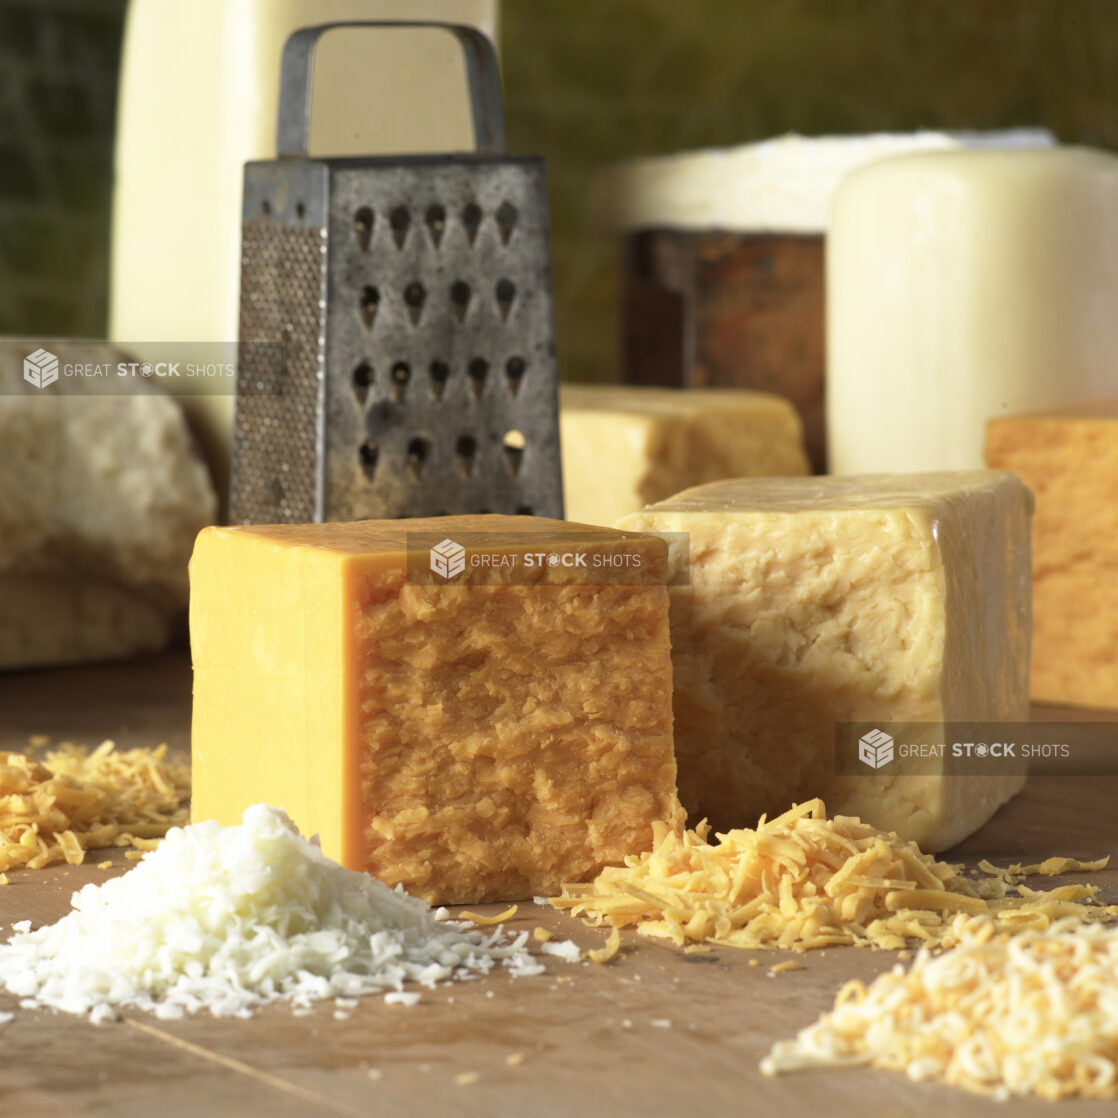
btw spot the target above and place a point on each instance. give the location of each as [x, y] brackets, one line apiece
[482, 79]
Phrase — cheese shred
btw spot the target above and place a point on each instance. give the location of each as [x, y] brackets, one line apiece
[803, 881]
[1000, 1015]
[76, 800]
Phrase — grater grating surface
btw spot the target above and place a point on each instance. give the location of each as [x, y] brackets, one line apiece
[397, 339]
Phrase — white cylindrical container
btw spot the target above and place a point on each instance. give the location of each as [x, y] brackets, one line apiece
[964, 285]
[199, 91]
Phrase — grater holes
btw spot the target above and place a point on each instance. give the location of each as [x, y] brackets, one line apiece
[471, 221]
[418, 450]
[514, 444]
[363, 227]
[466, 449]
[507, 216]
[524, 510]
[436, 223]
[439, 372]
[415, 295]
[460, 296]
[399, 220]
[300, 210]
[477, 370]
[367, 454]
[370, 301]
[514, 373]
[401, 375]
[505, 292]
[362, 382]
[266, 208]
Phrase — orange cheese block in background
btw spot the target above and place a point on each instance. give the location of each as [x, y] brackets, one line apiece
[478, 738]
[1069, 459]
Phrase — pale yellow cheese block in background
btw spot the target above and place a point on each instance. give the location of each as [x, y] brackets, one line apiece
[813, 601]
[1070, 462]
[472, 742]
[626, 447]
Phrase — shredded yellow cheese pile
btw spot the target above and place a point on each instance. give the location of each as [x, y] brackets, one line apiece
[76, 800]
[1001, 1015]
[803, 881]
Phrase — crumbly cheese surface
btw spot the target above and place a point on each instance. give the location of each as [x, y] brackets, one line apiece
[227, 919]
[804, 881]
[77, 800]
[100, 500]
[1033, 1014]
[482, 741]
[1070, 462]
[800, 603]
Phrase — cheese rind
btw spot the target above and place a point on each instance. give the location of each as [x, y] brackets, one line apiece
[627, 447]
[1070, 461]
[810, 602]
[474, 742]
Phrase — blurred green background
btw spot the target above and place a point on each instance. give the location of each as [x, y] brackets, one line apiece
[586, 82]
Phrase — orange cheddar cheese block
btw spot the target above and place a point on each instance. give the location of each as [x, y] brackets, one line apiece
[1069, 459]
[477, 708]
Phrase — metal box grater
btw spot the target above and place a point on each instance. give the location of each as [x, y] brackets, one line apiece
[397, 342]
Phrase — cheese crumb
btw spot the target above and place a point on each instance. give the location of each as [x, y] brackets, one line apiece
[232, 918]
[1001, 1015]
[541, 935]
[803, 881]
[660, 1023]
[467, 1078]
[565, 949]
[514, 1059]
[76, 800]
[787, 965]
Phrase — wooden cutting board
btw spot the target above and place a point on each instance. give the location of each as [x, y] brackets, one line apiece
[654, 1033]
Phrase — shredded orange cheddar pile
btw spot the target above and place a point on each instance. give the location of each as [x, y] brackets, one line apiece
[803, 881]
[77, 800]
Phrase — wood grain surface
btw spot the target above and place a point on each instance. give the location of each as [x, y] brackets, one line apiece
[654, 1033]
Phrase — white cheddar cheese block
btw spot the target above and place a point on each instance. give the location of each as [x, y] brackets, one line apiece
[100, 502]
[626, 447]
[816, 601]
[962, 286]
[782, 185]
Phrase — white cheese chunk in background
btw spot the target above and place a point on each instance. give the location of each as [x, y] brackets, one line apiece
[101, 496]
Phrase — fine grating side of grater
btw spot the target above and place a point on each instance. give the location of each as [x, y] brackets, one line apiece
[397, 342]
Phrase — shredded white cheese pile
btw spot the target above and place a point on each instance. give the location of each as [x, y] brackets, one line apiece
[803, 881]
[1032, 1014]
[230, 918]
